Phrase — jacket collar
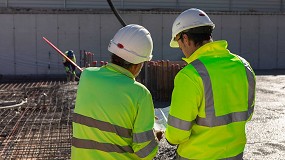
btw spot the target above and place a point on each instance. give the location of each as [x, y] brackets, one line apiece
[120, 69]
[211, 48]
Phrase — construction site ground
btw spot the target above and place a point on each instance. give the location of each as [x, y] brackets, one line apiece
[36, 118]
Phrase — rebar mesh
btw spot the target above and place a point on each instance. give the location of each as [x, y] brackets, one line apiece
[35, 120]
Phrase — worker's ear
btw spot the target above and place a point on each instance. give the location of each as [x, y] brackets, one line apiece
[185, 40]
[136, 69]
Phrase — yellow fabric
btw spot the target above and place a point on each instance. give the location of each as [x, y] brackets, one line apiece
[111, 94]
[230, 92]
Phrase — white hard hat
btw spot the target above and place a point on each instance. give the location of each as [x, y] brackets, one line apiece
[133, 43]
[190, 18]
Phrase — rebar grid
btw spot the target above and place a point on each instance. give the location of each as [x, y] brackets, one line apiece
[40, 128]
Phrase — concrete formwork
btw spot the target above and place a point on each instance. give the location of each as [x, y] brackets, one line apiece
[213, 5]
[281, 42]
[48, 25]
[258, 38]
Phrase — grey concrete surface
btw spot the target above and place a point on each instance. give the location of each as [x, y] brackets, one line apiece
[266, 130]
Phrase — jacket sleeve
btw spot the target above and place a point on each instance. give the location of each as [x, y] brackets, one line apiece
[74, 59]
[144, 144]
[186, 100]
[252, 83]
[64, 59]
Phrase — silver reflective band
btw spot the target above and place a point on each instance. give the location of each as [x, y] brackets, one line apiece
[211, 120]
[209, 98]
[143, 136]
[103, 126]
[178, 123]
[225, 119]
[147, 149]
[107, 147]
[123, 132]
[237, 157]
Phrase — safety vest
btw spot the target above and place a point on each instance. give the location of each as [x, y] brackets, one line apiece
[212, 100]
[113, 116]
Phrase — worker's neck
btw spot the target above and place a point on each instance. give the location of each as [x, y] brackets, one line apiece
[205, 42]
[136, 69]
[196, 47]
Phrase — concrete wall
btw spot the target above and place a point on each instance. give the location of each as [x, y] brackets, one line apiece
[258, 38]
[212, 5]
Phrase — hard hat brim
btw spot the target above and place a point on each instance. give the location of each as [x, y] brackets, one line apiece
[173, 44]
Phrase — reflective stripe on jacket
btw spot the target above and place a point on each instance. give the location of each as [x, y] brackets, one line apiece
[113, 116]
[212, 100]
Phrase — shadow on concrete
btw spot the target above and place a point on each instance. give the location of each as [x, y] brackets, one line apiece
[158, 104]
[273, 72]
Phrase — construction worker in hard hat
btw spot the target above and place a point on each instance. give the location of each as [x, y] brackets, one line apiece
[69, 67]
[114, 114]
[213, 96]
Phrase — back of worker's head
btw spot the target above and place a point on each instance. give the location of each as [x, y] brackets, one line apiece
[70, 53]
[193, 22]
[132, 43]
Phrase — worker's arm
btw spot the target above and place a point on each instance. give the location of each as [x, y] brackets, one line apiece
[74, 59]
[251, 71]
[64, 59]
[144, 144]
[185, 101]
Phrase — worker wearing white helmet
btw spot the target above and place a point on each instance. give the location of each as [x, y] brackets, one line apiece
[114, 114]
[213, 96]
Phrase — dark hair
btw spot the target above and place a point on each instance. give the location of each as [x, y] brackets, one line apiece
[198, 34]
[120, 61]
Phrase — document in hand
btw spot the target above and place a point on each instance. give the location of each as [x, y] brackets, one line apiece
[161, 121]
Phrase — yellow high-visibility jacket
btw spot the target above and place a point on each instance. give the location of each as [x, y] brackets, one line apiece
[113, 116]
[212, 100]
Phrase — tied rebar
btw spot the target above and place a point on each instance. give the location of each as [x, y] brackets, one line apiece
[35, 120]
